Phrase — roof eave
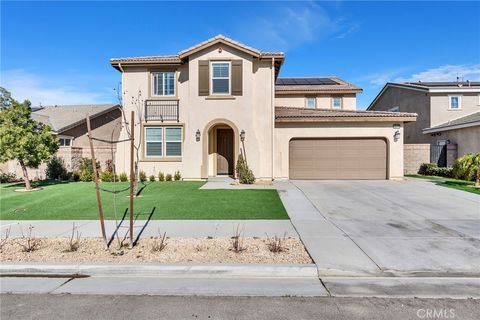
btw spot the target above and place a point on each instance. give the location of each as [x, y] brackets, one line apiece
[345, 119]
[451, 127]
[79, 122]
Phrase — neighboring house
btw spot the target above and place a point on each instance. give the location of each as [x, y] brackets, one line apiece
[448, 119]
[197, 110]
[69, 125]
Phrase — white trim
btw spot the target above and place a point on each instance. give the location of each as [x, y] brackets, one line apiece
[454, 90]
[152, 77]
[450, 96]
[229, 78]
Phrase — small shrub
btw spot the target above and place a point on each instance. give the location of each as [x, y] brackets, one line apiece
[237, 240]
[168, 177]
[107, 176]
[123, 177]
[245, 175]
[29, 243]
[142, 176]
[276, 244]
[431, 169]
[7, 177]
[76, 176]
[466, 166]
[161, 176]
[86, 169]
[160, 242]
[151, 178]
[74, 242]
[4, 240]
[177, 176]
[56, 169]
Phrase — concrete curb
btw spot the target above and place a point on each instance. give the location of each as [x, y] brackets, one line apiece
[170, 270]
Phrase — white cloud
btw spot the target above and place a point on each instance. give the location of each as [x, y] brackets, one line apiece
[51, 90]
[445, 73]
[290, 26]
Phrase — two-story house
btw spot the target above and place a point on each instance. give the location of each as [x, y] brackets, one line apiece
[199, 109]
[448, 123]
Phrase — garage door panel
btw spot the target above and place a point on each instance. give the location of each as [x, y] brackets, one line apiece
[338, 159]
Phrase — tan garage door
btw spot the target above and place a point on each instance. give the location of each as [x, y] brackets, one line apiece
[338, 159]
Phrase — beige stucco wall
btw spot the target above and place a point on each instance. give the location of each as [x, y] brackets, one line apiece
[440, 112]
[467, 139]
[349, 101]
[251, 112]
[409, 101]
[285, 132]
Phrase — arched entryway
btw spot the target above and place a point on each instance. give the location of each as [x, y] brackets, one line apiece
[221, 148]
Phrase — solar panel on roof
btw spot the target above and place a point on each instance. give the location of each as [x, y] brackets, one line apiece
[305, 81]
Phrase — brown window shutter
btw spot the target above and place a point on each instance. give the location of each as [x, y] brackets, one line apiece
[237, 83]
[203, 78]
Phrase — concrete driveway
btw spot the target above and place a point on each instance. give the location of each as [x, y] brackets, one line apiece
[410, 227]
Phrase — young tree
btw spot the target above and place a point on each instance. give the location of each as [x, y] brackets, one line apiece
[24, 139]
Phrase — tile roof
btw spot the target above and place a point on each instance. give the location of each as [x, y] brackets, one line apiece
[177, 58]
[289, 114]
[472, 119]
[63, 117]
[444, 84]
[299, 85]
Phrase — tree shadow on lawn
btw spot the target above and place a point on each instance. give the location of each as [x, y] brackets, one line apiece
[36, 184]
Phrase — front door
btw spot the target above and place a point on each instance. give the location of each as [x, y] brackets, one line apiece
[224, 151]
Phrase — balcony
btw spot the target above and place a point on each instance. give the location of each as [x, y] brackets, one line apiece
[162, 110]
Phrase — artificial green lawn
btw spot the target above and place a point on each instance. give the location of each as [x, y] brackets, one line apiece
[450, 183]
[167, 200]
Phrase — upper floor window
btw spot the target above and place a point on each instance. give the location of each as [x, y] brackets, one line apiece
[455, 102]
[65, 142]
[394, 109]
[220, 79]
[311, 102]
[337, 102]
[163, 83]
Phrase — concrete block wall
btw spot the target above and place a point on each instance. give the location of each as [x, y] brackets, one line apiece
[414, 155]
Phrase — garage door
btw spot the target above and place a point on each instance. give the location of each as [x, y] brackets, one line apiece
[338, 159]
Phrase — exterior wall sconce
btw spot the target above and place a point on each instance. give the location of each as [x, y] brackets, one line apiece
[197, 135]
[396, 136]
[242, 135]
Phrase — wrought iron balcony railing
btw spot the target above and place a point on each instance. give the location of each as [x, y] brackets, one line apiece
[162, 110]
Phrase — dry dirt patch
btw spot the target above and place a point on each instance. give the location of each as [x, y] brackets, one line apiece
[178, 250]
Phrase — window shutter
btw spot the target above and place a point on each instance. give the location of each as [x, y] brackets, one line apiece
[203, 78]
[237, 85]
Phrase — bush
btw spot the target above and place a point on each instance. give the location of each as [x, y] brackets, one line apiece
[168, 177]
[142, 176]
[245, 175]
[466, 166]
[161, 176]
[177, 176]
[431, 169]
[7, 177]
[151, 178]
[85, 168]
[76, 176]
[123, 177]
[107, 176]
[56, 169]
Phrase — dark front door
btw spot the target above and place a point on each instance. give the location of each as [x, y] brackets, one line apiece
[225, 151]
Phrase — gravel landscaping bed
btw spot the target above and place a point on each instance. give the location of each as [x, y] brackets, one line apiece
[177, 250]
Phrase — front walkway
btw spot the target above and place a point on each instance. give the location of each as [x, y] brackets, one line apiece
[229, 183]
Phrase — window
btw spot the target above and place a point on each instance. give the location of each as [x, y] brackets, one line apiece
[220, 72]
[163, 141]
[163, 83]
[394, 109]
[337, 103]
[173, 142]
[65, 142]
[153, 140]
[311, 103]
[455, 102]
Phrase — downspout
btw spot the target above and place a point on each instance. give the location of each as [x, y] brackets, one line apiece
[273, 115]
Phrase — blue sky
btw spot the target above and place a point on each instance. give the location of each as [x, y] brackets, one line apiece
[58, 52]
